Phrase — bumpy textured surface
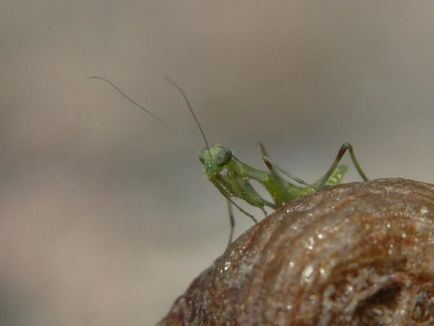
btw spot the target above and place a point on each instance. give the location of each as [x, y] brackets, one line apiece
[355, 254]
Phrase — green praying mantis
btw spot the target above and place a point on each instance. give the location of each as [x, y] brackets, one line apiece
[233, 178]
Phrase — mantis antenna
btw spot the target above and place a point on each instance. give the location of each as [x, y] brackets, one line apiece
[124, 95]
[179, 88]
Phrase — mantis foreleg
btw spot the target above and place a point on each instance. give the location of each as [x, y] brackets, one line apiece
[228, 198]
[231, 221]
[230, 202]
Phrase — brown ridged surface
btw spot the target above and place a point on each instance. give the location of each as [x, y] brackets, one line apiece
[356, 254]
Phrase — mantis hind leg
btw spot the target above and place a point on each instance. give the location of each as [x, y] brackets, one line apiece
[345, 147]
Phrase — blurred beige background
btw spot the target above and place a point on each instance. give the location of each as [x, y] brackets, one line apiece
[105, 216]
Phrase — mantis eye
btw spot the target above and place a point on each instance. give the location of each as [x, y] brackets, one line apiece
[223, 157]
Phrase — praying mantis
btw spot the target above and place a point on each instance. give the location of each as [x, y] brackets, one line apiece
[233, 178]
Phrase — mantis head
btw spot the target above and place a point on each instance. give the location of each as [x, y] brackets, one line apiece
[214, 159]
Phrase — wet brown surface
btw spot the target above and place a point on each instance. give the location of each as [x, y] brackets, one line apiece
[356, 254]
